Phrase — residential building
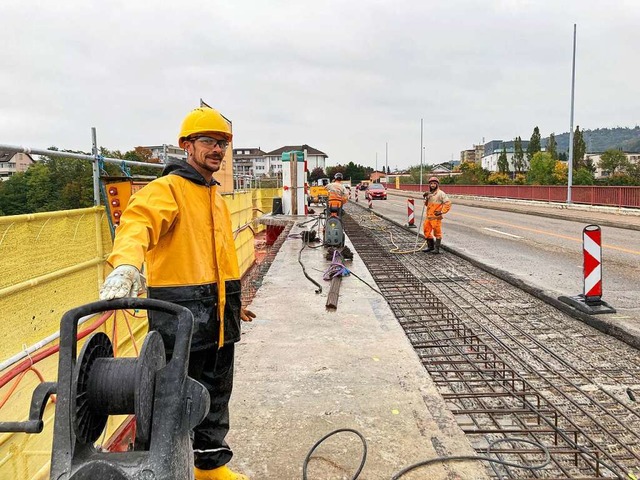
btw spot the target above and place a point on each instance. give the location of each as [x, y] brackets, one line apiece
[446, 169]
[472, 155]
[479, 153]
[167, 153]
[493, 149]
[468, 156]
[633, 158]
[315, 158]
[11, 164]
[250, 162]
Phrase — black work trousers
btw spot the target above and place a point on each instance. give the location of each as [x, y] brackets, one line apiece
[213, 368]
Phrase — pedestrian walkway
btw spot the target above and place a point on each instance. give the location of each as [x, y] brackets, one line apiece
[303, 371]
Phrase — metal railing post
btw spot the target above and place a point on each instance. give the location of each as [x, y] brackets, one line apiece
[96, 168]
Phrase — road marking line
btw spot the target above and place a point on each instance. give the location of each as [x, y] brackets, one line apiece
[503, 233]
[542, 232]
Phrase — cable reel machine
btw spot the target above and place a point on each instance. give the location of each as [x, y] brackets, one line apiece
[333, 229]
[91, 386]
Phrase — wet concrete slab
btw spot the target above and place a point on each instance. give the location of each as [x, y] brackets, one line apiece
[303, 372]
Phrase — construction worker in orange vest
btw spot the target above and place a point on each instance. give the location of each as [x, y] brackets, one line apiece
[437, 204]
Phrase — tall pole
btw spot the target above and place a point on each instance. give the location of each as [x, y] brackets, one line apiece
[386, 160]
[96, 168]
[421, 151]
[573, 87]
[376, 162]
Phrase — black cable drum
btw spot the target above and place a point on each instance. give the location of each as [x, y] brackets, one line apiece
[112, 384]
[115, 386]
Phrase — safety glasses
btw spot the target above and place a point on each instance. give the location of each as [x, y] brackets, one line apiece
[211, 142]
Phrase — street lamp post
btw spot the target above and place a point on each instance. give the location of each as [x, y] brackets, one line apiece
[573, 87]
[421, 151]
[386, 161]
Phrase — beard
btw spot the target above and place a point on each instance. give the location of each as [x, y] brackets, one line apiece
[204, 165]
[433, 189]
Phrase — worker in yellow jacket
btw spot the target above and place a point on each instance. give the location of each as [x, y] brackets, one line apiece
[437, 204]
[180, 226]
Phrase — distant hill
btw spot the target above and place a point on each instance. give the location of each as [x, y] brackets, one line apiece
[602, 139]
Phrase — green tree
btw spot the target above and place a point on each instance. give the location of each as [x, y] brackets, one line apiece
[503, 162]
[541, 171]
[583, 176]
[552, 146]
[13, 195]
[534, 144]
[633, 170]
[414, 174]
[518, 156]
[579, 149]
[472, 174]
[331, 171]
[315, 174]
[42, 194]
[613, 160]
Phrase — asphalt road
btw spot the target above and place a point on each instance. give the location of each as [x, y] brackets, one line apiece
[543, 252]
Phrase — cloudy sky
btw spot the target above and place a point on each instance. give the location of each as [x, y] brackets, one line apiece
[344, 76]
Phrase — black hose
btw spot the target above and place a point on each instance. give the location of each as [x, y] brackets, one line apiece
[305, 464]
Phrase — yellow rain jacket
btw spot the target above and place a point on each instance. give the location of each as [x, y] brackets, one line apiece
[181, 226]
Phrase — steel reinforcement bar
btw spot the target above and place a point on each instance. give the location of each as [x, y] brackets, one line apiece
[499, 380]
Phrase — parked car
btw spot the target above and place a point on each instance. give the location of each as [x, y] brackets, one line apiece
[376, 190]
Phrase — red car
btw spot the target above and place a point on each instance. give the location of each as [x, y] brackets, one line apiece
[376, 190]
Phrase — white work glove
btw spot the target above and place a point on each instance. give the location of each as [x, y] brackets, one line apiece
[124, 281]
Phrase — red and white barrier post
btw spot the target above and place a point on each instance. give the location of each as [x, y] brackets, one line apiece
[411, 217]
[370, 202]
[592, 265]
[356, 194]
[590, 301]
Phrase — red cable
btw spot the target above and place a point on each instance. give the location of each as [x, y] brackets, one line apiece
[133, 340]
[17, 382]
[28, 363]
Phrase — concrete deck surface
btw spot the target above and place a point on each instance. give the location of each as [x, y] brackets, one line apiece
[302, 372]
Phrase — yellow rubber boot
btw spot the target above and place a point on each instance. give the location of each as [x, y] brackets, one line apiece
[220, 473]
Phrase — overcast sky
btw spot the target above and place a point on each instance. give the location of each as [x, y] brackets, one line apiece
[342, 76]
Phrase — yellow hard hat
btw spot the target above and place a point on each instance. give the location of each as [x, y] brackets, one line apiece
[204, 120]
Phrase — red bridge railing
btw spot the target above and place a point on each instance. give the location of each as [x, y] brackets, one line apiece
[584, 194]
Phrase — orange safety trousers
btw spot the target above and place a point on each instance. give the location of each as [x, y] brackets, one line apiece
[432, 226]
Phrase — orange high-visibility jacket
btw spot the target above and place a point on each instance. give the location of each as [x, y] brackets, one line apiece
[437, 201]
